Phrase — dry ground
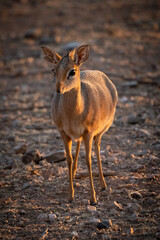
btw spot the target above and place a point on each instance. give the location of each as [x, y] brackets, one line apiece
[125, 44]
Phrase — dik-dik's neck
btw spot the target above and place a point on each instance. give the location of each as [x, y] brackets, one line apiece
[72, 100]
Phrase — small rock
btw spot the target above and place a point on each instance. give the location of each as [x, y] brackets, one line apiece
[24, 88]
[42, 217]
[46, 40]
[22, 148]
[33, 33]
[32, 155]
[16, 123]
[135, 195]
[74, 212]
[132, 119]
[134, 207]
[133, 217]
[137, 167]
[91, 209]
[104, 224]
[26, 185]
[123, 99]
[85, 201]
[22, 212]
[12, 138]
[94, 220]
[51, 217]
[113, 211]
[75, 234]
[141, 153]
[130, 84]
[5, 118]
[21, 224]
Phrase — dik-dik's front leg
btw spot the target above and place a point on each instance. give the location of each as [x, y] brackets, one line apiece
[88, 147]
[76, 158]
[68, 146]
[97, 141]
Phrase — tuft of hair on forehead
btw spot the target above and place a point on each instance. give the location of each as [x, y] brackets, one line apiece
[65, 59]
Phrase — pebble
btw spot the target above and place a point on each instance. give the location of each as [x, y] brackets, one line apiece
[22, 212]
[16, 123]
[12, 138]
[33, 33]
[133, 217]
[26, 185]
[85, 201]
[46, 40]
[24, 88]
[42, 217]
[135, 195]
[141, 153]
[21, 224]
[113, 211]
[22, 148]
[104, 224]
[51, 217]
[134, 207]
[32, 155]
[75, 234]
[130, 84]
[91, 209]
[94, 220]
[132, 119]
[5, 118]
[74, 212]
[123, 99]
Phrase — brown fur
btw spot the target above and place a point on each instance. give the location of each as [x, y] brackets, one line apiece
[83, 107]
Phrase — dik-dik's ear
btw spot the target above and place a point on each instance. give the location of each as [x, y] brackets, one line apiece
[80, 54]
[50, 55]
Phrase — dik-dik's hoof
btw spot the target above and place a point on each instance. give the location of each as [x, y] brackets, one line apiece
[93, 203]
[71, 201]
[103, 189]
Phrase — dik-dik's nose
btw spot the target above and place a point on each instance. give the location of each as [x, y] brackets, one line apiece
[59, 88]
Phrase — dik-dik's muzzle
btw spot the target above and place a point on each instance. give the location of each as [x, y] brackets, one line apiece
[58, 87]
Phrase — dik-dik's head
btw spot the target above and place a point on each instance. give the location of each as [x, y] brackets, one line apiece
[66, 69]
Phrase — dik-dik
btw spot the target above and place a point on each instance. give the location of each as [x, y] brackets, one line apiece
[83, 108]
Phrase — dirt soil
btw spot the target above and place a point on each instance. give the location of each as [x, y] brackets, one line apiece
[124, 39]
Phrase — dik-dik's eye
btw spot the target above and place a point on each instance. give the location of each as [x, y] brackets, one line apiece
[71, 73]
[54, 71]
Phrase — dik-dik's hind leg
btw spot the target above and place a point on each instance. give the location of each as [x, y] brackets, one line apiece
[88, 147]
[68, 146]
[97, 141]
[76, 158]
